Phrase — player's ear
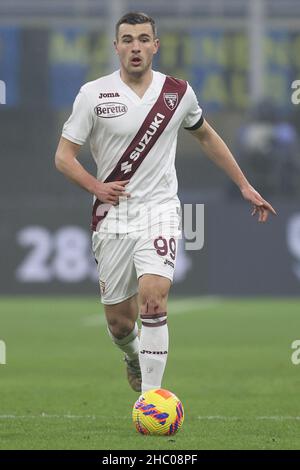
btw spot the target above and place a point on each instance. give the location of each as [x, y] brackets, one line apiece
[156, 45]
[116, 46]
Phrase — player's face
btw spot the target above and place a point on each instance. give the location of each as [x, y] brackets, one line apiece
[135, 46]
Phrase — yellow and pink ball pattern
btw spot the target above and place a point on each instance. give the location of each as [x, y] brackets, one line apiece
[159, 412]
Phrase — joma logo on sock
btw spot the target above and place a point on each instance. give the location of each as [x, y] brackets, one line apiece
[153, 352]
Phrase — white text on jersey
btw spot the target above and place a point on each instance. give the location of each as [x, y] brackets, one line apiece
[158, 119]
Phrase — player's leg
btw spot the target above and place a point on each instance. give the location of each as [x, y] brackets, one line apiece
[154, 339]
[118, 287]
[155, 259]
[123, 330]
[122, 327]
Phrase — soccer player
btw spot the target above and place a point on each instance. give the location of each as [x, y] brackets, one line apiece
[132, 118]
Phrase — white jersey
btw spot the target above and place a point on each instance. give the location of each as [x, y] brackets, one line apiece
[134, 138]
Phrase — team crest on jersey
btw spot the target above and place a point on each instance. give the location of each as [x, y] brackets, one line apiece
[171, 100]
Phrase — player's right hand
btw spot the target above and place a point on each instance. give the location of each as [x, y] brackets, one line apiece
[110, 192]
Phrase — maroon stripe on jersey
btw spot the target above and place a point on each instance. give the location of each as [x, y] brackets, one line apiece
[153, 316]
[151, 325]
[154, 124]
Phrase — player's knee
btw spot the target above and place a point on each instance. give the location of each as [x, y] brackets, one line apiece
[153, 293]
[153, 302]
[120, 327]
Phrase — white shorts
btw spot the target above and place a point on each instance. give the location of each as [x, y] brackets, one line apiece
[122, 259]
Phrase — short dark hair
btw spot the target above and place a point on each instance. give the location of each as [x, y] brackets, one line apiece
[136, 17]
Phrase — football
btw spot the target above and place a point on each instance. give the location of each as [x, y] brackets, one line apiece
[159, 412]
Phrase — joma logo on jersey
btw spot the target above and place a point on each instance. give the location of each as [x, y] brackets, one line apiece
[108, 95]
[154, 126]
[110, 110]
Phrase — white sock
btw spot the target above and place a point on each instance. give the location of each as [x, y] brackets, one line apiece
[130, 344]
[154, 343]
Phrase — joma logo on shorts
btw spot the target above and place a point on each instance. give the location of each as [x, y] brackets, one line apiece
[110, 110]
[169, 263]
[154, 126]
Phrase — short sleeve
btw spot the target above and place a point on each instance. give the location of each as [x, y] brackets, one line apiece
[193, 119]
[79, 125]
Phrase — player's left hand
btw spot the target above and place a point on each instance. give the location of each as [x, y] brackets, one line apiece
[260, 205]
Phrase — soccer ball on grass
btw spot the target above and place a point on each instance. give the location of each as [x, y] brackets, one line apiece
[159, 412]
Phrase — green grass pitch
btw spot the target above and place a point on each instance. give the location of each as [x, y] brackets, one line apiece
[64, 384]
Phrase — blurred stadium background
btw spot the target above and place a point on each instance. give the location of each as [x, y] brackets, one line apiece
[241, 57]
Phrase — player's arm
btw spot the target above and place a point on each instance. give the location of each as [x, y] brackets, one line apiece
[66, 162]
[216, 149]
